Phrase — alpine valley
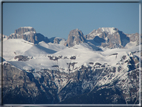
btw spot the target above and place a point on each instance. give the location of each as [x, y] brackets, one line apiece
[101, 67]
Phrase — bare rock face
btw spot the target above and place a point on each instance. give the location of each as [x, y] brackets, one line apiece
[21, 58]
[22, 30]
[20, 87]
[54, 86]
[111, 37]
[28, 34]
[75, 37]
[134, 37]
[58, 40]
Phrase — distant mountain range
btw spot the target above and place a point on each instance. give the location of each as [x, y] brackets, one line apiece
[107, 37]
[101, 67]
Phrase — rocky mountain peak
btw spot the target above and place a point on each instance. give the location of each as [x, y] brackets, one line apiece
[28, 34]
[111, 37]
[75, 36]
[22, 30]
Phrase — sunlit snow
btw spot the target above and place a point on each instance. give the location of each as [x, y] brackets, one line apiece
[39, 55]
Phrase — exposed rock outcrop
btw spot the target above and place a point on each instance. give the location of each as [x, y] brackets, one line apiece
[110, 37]
[75, 37]
[21, 58]
[22, 30]
[95, 82]
[57, 40]
[20, 87]
[134, 37]
[28, 34]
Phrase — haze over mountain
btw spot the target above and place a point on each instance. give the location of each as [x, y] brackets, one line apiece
[99, 68]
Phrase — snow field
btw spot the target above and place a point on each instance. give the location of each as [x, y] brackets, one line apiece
[83, 53]
[13, 47]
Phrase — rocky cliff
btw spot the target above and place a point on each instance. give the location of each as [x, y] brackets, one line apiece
[111, 37]
[57, 40]
[28, 34]
[85, 86]
[20, 87]
[75, 37]
[134, 37]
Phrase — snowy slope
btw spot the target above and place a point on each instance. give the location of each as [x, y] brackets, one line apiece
[83, 53]
[13, 47]
[37, 54]
[58, 57]
[131, 44]
[110, 30]
[75, 70]
[37, 50]
[55, 47]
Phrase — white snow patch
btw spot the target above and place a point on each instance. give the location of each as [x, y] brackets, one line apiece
[55, 47]
[39, 59]
[27, 33]
[110, 30]
[14, 47]
[27, 68]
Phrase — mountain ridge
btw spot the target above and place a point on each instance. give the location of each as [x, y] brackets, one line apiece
[109, 37]
[85, 72]
[75, 36]
[112, 37]
[28, 34]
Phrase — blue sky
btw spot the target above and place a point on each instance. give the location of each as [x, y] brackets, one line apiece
[58, 19]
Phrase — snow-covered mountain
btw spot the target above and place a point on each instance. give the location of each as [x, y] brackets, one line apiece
[28, 34]
[81, 72]
[109, 37]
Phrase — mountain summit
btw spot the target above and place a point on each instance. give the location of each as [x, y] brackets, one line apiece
[22, 30]
[109, 37]
[28, 34]
[112, 37]
[75, 37]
